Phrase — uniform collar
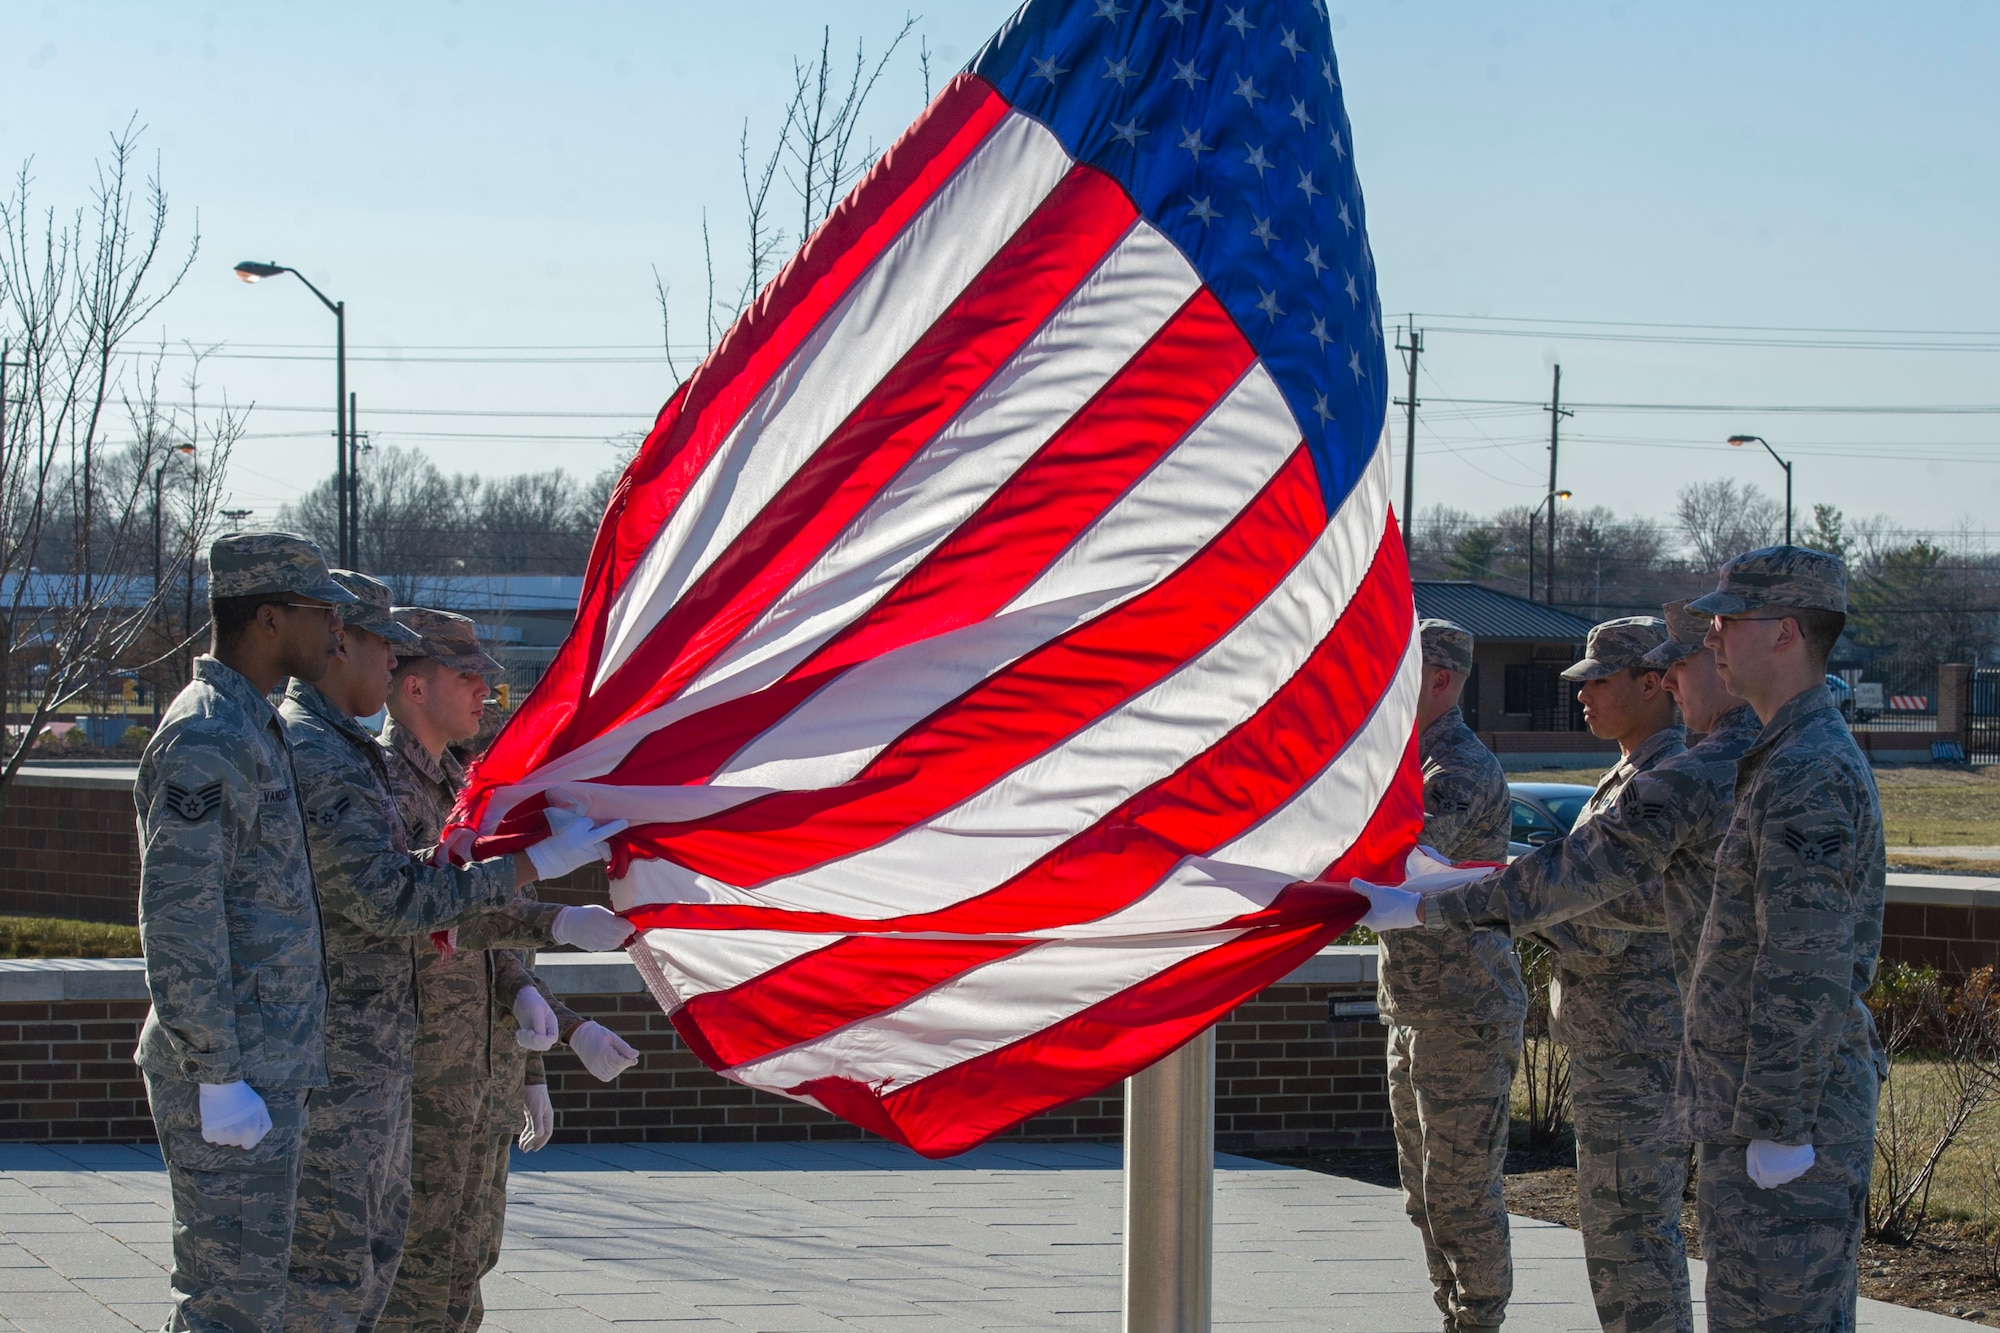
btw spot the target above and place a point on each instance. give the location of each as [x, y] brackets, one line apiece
[1795, 711]
[313, 699]
[1450, 720]
[1639, 759]
[234, 686]
[1738, 721]
[404, 742]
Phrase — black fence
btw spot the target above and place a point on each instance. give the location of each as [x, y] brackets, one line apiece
[1891, 696]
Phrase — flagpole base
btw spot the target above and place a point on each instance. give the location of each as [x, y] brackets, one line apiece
[1169, 1191]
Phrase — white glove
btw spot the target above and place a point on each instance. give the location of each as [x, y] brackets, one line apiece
[592, 929]
[538, 1030]
[573, 841]
[233, 1115]
[1773, 1164]
[539, 1125]
[1429, 871]
[1389, 908]
[603, 1052]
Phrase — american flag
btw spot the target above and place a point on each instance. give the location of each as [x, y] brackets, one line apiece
[1010, 610]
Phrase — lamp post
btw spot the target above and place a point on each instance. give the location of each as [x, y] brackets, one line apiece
[251, 270]
[1738, 441]
[159, 482]
[1533, 514]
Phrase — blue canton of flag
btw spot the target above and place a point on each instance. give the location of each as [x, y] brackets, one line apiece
[1225, 124]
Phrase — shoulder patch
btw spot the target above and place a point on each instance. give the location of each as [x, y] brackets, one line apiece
[1651, 810]
[196, 805]
[1813, 848]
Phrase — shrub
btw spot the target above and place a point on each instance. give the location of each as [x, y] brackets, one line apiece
[1944, 1069]
[135, 737]
[58, 937]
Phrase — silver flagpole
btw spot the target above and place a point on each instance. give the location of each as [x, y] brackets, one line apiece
[1169, 1188]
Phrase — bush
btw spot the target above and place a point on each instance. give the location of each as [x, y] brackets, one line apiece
[58, 937]
[75, 739]
[1944, 1070]
[1544, 1060]
[135, 737]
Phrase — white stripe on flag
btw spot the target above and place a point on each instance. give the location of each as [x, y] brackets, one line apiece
[901, 294]
[1102, 326]
[977, 1011]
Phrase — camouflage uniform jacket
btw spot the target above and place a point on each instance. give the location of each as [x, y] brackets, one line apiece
[377, 902]
[1660, 830]
[1779, 1044]
[228, 916]
[465, 1029]
[1430, 979]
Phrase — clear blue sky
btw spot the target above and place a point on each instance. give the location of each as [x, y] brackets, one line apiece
[503, 174]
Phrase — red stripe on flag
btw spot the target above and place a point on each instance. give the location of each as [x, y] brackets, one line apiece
[1032, 275]
[957, 1108]
[1149, 406]
[1015, 714]
[703, 410]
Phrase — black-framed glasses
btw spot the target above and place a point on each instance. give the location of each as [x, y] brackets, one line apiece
[332, 612]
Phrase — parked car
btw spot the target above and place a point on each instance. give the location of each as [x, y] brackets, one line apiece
[1543, 812]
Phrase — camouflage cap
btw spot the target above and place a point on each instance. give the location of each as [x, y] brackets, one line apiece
[1618, 645]
[449, 639]
[254, 563]
[1447, 645]
[1793, 577]
[371, 608]
[1685, 631]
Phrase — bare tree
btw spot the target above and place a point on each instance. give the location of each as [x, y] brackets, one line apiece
[816, 151]
[1719, 519]
[76, 509]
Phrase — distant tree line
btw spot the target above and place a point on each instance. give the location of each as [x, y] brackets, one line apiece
[1916, 601]
[417, 519]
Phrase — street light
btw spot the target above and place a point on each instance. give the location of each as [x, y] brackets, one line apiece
[159, 481]
[1738, 441]
[251, 270]
[1534, 514]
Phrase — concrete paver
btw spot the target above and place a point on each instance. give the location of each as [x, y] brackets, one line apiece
[688, 1237]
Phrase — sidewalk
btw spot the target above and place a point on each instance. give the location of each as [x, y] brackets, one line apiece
[688, 1237]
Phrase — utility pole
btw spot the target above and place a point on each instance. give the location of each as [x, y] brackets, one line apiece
[351, 499]
[1556, 413]
[1411, 350]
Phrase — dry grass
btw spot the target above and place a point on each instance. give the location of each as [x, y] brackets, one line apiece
[1921, 807]
[56, 937]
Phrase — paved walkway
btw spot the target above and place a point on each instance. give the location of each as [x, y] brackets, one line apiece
[688, 1237]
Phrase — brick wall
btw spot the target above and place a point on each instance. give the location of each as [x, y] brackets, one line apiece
[1953, 936]
[69, 847]
[1286, 1076]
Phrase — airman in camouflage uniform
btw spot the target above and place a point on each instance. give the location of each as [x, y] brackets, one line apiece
[1647, 856]
[465, 1035]
[1665, 826]
[378, 905]
[1783, 1061]
[1454, 1007]
[229, 920]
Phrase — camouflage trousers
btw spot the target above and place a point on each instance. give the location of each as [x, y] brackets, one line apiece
[1785, 1258]
[447, 1153]
[1448, 1093]
[354, 1206]
[233, 1210]
[1620, 1016]
[505, 1110]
